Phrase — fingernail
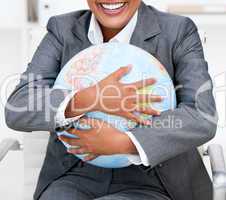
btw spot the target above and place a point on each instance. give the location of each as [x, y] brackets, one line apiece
[73, 148]
[148, 123]
[69, 151]
[130, 66]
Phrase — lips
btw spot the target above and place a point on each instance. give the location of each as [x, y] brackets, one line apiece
[113, 8]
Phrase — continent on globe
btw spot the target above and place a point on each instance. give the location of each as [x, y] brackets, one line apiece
[97, 62]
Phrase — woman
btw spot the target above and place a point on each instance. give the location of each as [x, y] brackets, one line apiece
[167, 164]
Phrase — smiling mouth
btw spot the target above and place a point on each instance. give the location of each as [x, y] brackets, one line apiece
[113, 6]
[113, 9]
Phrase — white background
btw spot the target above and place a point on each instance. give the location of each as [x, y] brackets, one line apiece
[18, 39]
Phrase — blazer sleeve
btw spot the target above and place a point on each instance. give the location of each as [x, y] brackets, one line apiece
[194, 120]
[33, 104]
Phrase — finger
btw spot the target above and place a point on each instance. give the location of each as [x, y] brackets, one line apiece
[90, 157]
[71, 148]
[76, 132]
[137, 119]
[70, 141]
[94, 123]
[142, 98]
[130, 107]
[148, 111]
[79, 151]
[144, 83]
[122, 71]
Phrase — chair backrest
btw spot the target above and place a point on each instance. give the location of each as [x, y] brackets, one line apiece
[35, 145]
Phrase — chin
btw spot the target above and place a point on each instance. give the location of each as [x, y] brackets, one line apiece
[113, 24]
[114, 14]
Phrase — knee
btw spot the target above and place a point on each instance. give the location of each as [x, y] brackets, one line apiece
[59, 190]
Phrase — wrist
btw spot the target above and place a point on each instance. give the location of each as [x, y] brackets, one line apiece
[81, 103]
[126, 145]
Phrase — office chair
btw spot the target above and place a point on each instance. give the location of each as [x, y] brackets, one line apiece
[35, 144]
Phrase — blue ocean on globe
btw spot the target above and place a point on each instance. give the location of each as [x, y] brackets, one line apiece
[97, 62]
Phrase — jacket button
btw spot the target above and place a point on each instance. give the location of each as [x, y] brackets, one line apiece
[160, 165]
[65, 163]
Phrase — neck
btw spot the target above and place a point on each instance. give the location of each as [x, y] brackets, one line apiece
[109, 33]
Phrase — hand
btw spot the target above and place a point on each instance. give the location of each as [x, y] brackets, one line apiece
[101, 139]
[113, 97]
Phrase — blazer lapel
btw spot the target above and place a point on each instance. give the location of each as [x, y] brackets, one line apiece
[144, 35]
[80, 30]
[146, 30]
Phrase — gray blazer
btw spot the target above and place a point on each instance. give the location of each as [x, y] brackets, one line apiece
[172, 39]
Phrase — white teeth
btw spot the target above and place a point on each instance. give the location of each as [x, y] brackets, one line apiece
[112, 6]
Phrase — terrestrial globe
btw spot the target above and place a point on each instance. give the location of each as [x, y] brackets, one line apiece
[97, 62]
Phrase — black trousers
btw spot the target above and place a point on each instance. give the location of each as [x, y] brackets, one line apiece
[86, 182]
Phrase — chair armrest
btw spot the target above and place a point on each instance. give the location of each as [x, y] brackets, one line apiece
[218, 171]
[8, 145]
